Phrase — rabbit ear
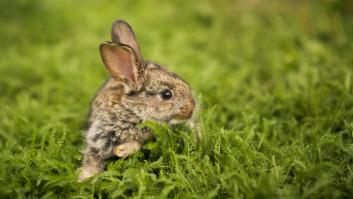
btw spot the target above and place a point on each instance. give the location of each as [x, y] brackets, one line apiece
[123, 64]
[123, 33]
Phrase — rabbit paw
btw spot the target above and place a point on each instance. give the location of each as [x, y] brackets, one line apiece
[86, 172]
[127, 148]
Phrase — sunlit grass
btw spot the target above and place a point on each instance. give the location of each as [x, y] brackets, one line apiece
[273, 81]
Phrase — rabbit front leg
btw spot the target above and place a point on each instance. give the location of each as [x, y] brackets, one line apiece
[99, 146]
[126, 149]
[92, 164]
[135, 142]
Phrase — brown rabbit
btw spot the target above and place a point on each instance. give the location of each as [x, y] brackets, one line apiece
[136, 91]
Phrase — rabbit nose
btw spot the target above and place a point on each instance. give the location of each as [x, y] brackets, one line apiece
[187, 110]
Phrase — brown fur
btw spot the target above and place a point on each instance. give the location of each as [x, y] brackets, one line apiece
[132, 95]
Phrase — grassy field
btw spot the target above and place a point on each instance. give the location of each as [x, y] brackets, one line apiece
[273, 79]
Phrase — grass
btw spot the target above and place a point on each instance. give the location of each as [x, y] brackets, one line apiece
[273, 80]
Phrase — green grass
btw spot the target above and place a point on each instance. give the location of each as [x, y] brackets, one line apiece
[274, 82]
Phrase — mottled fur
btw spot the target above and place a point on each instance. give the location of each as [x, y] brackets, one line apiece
[129, 97]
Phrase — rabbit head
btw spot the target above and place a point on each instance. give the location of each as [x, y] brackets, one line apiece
[150, 91]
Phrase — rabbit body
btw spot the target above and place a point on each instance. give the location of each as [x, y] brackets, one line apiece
[136, 91]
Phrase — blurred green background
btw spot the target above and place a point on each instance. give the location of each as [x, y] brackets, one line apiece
[273, 81]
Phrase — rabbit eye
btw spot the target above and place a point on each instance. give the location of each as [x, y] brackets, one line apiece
[166, 94]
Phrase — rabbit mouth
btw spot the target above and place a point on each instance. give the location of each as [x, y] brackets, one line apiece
[185, 112]
[181, 117]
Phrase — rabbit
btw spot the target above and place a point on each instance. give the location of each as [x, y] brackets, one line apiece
[136, 91]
